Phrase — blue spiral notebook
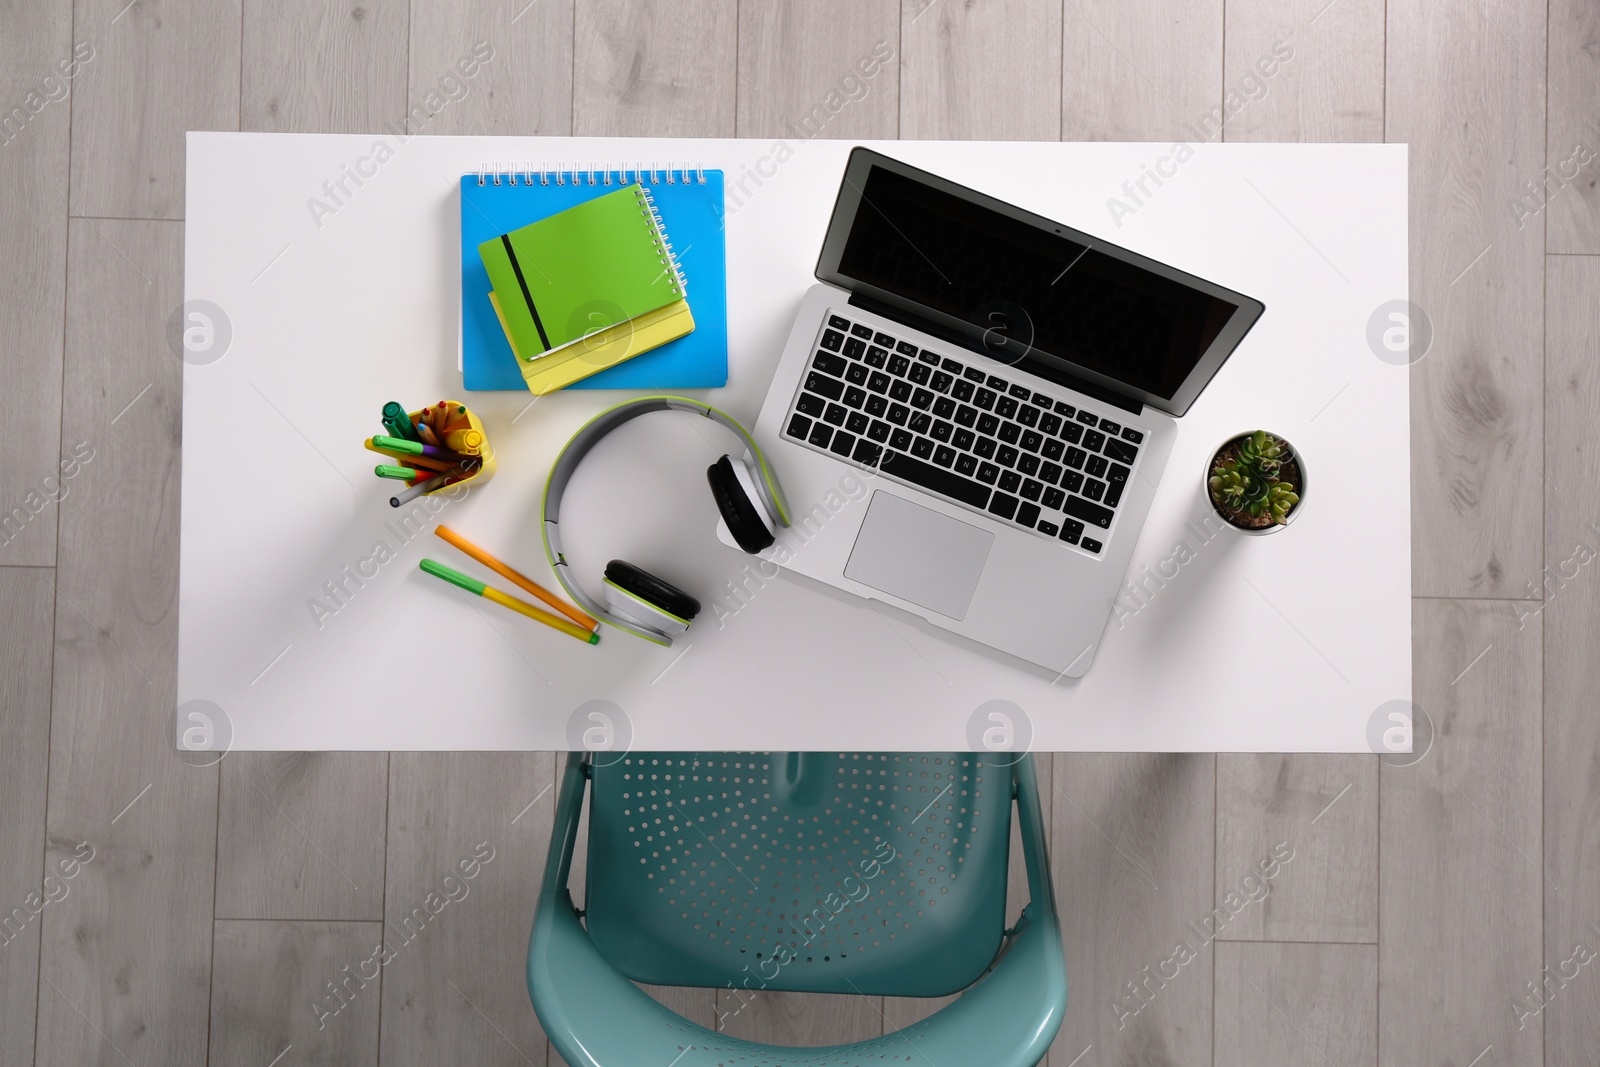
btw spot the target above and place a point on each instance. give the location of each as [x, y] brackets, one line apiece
[690, 204]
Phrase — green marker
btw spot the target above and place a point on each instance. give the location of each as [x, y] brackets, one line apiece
[384, 470]
[398, 423]
[472, 585]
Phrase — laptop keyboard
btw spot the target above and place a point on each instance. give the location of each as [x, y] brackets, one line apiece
[971, 437]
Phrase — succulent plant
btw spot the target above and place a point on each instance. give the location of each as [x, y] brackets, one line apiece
[1249, 483]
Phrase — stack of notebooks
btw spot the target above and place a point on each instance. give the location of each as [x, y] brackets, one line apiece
[570, 278]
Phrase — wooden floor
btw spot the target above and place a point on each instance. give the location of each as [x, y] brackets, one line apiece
[1442, 913]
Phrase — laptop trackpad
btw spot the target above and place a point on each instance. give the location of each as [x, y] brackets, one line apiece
[920, 555]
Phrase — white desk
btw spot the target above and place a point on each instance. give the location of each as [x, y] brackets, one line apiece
[1281, 643]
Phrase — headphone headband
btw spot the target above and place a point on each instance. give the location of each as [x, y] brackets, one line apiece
[587, 437]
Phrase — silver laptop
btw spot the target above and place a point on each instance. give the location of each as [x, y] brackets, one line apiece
[975, 405]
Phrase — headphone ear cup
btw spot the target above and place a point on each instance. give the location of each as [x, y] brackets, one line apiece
[742, 514]
[655, 593]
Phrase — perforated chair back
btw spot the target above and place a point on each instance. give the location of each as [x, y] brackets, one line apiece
[881, 874]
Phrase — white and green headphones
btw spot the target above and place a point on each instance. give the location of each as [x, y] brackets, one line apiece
[747, 495]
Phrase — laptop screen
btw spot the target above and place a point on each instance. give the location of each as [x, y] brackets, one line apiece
[1030, 290]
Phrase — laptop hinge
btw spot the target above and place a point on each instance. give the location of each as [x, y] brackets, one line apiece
[1032, 366]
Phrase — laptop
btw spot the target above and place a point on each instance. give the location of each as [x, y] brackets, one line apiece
[974, 408]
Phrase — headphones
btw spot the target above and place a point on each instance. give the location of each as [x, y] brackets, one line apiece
[747, 495]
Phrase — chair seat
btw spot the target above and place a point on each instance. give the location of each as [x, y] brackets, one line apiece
[872, 873]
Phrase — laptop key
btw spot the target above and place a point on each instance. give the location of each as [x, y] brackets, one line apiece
[1089, 544]
[901, 439]
[867, 452]
[1072, 432]
[828, 363]
[1130, 434]
[962, 390]
[835, 415]
[1075, 458]
[1006, 407]
[883, 339]
[966, 464]
[1054, 498]
[921, 399]
[1111, 428]
[1003, 505]
[1065, 410]
[1032, 490]
[811, 405]
[934, 479]
[1117, 475]
[987, 473]
[1089, 512]
[1087, 418]
[1071, 530]
[1097, 466]
[877, 405]
[988, 424]
[1049, 473]
[966, 415]
[1113, 495]
[842, 443]
[857, 422]
[1048, 529]
[1010, 481]
[1052, 448]
[1010, 432]
[1040, 400]
[1072, 481]
[1032, 440]
[898, 414]
[1007, 456]
[1021, 392]
[984, 399]
[997, 384]
[1028, 463]
[921, 422]
[944, 407]
[1094, 489]
[944, 455]
[941, 430]
[861, 330]
[799, 426]
[906, 348]
[1120, 451]
[951, 365]
[877, 357]
[900, 390]
[941, 382]
[928, 357]
[878, 382]
[919, 373]
[854, 347]
[964, 440]
[1027, 514]
[922, 448]
[854, 398]
[838, 322]
[857, 374]
[878, 431]
[1049, 424]
[832, 388]
[832, 339]
[972, 374]
[984, 447]
[820, 433]
[1093, 439]
[1028, 416]
[898, 365]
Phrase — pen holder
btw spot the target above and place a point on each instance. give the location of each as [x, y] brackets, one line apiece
[486, 461]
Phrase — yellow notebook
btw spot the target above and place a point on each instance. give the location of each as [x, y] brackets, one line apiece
[601, 349]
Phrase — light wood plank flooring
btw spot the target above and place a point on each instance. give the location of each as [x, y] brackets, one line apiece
[1330, 910]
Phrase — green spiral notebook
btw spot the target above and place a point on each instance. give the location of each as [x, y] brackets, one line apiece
[600, 263]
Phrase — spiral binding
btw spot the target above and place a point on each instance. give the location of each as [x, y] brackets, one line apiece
[604, 176]
[593, 174]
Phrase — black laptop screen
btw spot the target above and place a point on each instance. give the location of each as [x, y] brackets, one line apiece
[1060, 297]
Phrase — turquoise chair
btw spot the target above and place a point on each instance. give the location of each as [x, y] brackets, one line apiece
[878, 874]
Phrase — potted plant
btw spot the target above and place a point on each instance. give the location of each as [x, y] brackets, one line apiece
[1255, 482]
